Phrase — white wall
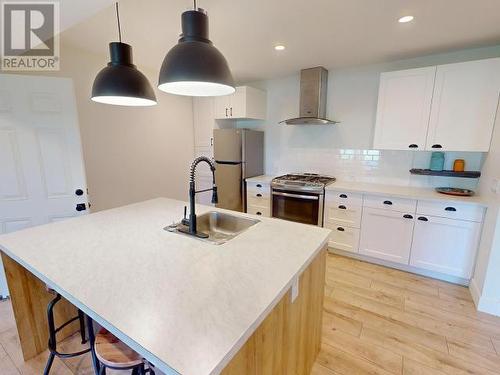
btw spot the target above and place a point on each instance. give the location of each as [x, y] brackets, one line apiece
[130, 153]
[343, 150]
[485, 285]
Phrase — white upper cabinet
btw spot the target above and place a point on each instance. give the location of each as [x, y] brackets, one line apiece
[204, 121]
[246, 103]
[449, 107]
[404, 106]
[464, 106]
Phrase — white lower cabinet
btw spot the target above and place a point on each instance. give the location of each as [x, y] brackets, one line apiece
[386, 234]
[445, 245]
[343, 237]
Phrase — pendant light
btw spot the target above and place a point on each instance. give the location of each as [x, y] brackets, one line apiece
[120, 82]
[194, 67]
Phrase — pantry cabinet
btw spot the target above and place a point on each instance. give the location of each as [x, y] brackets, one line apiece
[246, 103]
[386, 234]
[404, 107]
[445, 245]
[449, 107]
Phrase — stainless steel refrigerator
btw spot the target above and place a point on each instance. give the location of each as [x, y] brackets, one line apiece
[238, 154]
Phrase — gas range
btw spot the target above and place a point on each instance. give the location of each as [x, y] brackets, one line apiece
[306, 182]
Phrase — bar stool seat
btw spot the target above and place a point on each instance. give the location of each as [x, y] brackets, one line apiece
[114, 353]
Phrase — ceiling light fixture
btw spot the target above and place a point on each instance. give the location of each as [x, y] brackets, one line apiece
[279, 47]
[120, 82]
[194, 67]
[406, 19]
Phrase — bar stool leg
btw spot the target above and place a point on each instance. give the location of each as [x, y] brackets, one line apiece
[81, 318]
[95, 361]
[50, 361]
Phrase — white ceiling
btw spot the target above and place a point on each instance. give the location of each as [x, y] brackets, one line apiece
[332, 33]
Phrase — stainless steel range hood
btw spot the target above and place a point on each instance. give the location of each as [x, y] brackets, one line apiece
[313, 89]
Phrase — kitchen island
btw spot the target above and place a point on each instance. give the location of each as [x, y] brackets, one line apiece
[251, 305]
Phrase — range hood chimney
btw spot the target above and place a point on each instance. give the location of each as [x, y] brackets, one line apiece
[313, 89]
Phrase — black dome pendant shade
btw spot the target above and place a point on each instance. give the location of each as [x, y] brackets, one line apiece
[194, 67]
[120, 82]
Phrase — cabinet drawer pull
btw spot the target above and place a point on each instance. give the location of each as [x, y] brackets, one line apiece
[231, 111]
[453, 209]
[259, 185]
[259, 195]
[436, 146]
[258, 213]
[226, 112]
[389, 203]
[408, 216]
[413, 145]
[421, 218]
[342, 207]
[343, 196]
[340, 229]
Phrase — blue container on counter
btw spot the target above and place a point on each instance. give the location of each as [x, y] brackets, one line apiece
[437, 161]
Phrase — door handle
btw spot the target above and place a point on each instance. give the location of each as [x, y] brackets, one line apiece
[413, 145]
[259, 185]
[258, 213]
[231, 112]
[343, 196]
[226, 112]
[342, 207]
[453, 209]
[408, 216]
[340, 229]
[259, 195]
[389, 203]
[421, 218]
[81, 207]
[436, 146]
[79, 192]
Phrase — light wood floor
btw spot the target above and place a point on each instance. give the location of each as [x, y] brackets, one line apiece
[377, 321]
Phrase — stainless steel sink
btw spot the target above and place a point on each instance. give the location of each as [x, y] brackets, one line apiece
[220, 227]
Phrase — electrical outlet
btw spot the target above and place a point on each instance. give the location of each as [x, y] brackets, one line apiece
[495, 186]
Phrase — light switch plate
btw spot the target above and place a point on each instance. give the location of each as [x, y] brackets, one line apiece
[295, 289]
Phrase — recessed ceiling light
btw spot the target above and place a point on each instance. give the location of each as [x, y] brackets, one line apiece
[406, 19]
[279, 47]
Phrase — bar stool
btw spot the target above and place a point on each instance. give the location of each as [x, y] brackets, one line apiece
[53, 330]
[108, 352]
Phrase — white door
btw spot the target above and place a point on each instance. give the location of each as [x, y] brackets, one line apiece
[42, 176]
[464, 106]
[222, 104]
[386, 234]
[237, 107]
[445, 245]
[403, 110]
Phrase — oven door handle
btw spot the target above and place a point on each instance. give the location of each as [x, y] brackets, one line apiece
[308, 197]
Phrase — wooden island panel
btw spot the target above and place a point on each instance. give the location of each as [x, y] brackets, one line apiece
[288, 340]
[30, 298]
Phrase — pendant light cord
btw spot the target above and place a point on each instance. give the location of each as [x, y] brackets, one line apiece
[195, 8]
[118, 21]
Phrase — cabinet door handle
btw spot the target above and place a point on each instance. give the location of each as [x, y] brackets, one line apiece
[343, 196]
[453, 209]
[259, 195]
[408, 216]
[231, 112]
[436, 146]
[81, 207]
[258, 213]
[342, 207]
[259, 185]
[421, 218]
[226, 112]
[340, 229]
[413, 145]
[211, 141]
[79, 192]
[389, 203]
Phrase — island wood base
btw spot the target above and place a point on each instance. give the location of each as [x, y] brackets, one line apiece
[288, 340]
[30, 298]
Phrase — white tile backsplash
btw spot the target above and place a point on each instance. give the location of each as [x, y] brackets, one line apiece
[384, 167]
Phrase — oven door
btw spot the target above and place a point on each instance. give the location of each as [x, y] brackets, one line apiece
[306, 208]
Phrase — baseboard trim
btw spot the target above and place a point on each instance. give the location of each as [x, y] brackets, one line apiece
[486, 305]
[403, 267]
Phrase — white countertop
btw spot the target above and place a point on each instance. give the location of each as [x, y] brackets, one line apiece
[402, 192]
[265, 179]
[186, 305]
